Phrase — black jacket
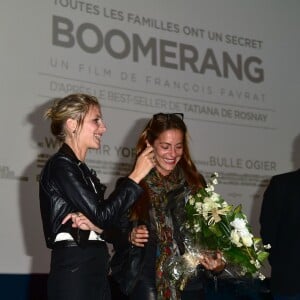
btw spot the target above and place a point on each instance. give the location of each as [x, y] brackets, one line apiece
[129, 262]
[68, 185]
[280, 225]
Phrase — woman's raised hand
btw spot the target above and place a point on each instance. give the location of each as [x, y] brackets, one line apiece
[144, 163]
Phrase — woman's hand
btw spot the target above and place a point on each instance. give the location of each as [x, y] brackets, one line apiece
[138, 236]
[213, 261]
[144, 163]
[82, 222]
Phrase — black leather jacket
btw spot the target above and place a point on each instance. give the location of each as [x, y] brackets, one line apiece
[68, 185]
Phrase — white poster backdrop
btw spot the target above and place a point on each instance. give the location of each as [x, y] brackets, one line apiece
[231, 68]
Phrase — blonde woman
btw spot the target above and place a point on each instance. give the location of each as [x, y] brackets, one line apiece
[79, 258]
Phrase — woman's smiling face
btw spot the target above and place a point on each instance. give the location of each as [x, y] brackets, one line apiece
[168, 150]
[92, 129]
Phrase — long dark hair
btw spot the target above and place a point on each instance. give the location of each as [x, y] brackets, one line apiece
[158, 124]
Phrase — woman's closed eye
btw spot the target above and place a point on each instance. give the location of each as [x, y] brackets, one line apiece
[99, 121]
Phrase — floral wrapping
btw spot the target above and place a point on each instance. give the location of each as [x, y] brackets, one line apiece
[214, 225]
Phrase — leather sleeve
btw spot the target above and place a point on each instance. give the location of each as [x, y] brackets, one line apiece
[76, 193]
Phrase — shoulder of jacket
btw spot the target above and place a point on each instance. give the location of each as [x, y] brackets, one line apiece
[288, 174]
[61, 162]
[63, 158]
[289, 178]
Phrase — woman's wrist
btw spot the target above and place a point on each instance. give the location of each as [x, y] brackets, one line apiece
[135, 177]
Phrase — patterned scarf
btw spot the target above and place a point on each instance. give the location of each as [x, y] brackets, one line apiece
[167, 247]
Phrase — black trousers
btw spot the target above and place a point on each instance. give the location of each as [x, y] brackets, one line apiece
[145, 288]
[79, 273]
[146, 291]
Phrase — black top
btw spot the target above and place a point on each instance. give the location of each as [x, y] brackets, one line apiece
[280, 225]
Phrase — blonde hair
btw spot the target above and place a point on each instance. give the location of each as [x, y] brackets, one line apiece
[74, 106]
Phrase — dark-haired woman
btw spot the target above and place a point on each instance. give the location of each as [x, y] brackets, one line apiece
[160, 211]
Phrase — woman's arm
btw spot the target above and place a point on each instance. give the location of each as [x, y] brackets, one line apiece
[78, 195]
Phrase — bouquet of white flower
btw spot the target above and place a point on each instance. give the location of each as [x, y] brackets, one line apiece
[213, 224]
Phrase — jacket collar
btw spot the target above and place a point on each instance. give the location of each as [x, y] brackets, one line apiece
[65, 149]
